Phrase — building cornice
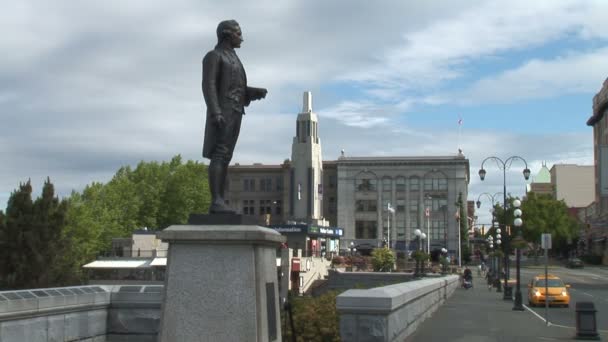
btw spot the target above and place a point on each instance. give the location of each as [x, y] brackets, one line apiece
[600, 103]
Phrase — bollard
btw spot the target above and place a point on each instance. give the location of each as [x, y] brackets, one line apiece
[586, 325]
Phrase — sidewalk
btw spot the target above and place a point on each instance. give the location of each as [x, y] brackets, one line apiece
[480, 315]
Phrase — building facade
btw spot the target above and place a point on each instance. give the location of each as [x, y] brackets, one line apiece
[575, 184]
[353, 193]
[366, 186]
[541, 183]
[596, 235]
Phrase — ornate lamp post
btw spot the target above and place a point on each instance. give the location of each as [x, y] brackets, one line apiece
[504, 166]
[518, 240]
[444, 266]
[498, 243]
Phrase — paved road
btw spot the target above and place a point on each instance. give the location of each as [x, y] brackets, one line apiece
[589, 284]
[481, 315]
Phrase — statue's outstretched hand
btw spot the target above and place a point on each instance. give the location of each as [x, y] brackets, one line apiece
[257, 93]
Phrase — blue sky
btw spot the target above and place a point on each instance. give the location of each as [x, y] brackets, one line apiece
[87, 87]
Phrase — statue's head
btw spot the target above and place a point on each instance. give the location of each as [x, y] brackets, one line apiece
[230, 31]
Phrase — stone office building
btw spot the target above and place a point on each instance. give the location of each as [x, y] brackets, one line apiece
[353, 193]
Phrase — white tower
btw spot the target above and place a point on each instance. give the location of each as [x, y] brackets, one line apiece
[307, 167]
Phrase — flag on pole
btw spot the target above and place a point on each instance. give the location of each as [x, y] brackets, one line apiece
[427, 212]
[299, 191]
[459, 120]
[390, 209]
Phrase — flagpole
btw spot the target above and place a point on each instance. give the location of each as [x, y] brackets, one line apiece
[428, 231]
[459, 129]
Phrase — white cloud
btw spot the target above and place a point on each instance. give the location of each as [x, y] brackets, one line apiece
[562, 75]
[444, 49]
[90, 86]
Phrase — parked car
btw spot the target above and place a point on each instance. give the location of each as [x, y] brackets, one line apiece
[558, 291]
[575, 263]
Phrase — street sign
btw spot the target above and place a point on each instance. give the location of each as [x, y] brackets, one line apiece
[545, 241]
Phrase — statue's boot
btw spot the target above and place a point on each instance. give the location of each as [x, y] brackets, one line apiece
[217, 178]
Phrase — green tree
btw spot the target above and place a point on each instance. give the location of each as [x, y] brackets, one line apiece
[153, 195]
[31, 243]
[383, 260]
[543, 214]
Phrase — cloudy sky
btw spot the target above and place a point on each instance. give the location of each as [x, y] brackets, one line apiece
[89, 86]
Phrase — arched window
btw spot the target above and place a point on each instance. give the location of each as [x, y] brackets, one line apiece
[366, 181]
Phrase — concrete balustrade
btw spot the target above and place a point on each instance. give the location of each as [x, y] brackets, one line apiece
[81, 313]
[132, 312]
[391, 313]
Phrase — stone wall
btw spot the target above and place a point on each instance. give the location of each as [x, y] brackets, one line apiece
[340, 280]
[391, 313]
[81, 313]
[58, 314]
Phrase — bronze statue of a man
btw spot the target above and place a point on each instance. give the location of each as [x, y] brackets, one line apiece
[226, 95]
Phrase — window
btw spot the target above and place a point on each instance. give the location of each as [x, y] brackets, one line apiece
[265, 185]
[400, 227]
[249, 185]
[400, 184]
[366, 229]
[278, 207]
[436, 203]
[400, 204]
[366, 205]
[279, 183]
[387, 185]
[265, 207]
[332, 181]
[414, 184]
[414, 206]
[248, 207]
[435, 184]
[443, 184]
[366, 184]
[414, 222]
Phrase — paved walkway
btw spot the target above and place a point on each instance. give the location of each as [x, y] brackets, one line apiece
[480, 315]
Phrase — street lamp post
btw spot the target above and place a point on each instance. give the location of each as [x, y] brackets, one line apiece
[444, 266]
[504, 166]
[418, 234]
[497, 231]
[518, 222]
[390, 210]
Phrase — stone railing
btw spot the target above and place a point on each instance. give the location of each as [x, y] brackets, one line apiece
[54, 314]
[81, 313]
[391, 313]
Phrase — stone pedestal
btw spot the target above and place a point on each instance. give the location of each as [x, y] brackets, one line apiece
[221, 284]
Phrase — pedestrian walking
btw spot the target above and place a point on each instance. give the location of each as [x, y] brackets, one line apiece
[490, 279]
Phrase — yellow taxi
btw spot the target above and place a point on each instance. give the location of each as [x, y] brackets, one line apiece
[558, 291]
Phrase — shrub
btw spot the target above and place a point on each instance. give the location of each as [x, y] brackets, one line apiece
[315, 319]
[383, 259]
[420, 256]
[337, 260]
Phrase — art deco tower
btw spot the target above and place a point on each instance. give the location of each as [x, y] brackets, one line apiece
[306, 179]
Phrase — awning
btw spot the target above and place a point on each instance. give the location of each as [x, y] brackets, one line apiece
[159, 262]
[118, 264]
